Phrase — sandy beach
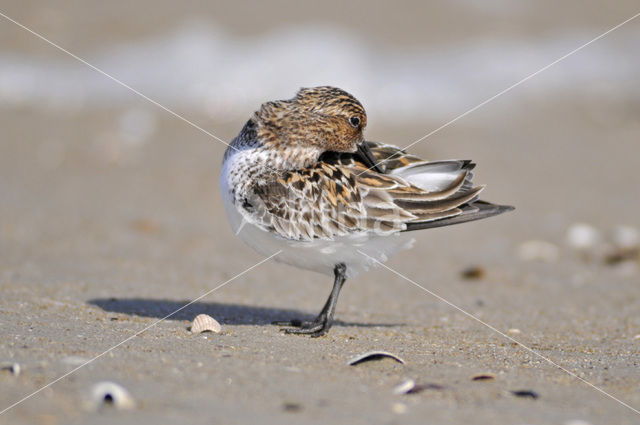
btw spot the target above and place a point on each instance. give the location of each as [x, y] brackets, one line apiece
[111, 219]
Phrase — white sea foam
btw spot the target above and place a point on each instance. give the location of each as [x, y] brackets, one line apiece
[198, 67]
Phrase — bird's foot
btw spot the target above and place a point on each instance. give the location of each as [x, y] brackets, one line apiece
[318, 327]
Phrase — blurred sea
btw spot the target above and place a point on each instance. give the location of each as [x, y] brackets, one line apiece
[197, 66]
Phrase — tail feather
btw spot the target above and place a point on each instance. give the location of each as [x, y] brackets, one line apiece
[474, 211]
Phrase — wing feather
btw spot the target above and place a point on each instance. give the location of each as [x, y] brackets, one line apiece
[339, 195]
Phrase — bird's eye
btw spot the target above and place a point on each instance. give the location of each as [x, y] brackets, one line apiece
[354, 121]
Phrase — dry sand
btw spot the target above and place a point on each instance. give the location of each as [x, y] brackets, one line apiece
[100, 238]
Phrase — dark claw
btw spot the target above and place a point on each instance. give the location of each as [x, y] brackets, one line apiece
[313, 331]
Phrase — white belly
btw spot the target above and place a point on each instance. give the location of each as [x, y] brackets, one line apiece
[319, 255]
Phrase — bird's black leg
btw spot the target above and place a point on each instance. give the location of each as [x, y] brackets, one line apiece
[321, 324]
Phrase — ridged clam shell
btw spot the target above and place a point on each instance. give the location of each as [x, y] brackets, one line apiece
[205, 323]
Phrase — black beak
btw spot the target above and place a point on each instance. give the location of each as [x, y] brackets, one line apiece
[364, 154]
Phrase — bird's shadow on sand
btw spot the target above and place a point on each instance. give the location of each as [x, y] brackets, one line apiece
[230, 314]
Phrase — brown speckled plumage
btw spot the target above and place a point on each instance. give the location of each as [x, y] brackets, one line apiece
[299, 182]
[303, 182]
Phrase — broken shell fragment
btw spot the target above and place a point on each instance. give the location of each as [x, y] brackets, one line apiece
[205, 323]
[13, 368]
[525, 394]
[405, 387]
[483, 377]
[373, 355]
[111, 394]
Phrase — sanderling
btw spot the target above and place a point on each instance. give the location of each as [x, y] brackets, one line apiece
[301, 179]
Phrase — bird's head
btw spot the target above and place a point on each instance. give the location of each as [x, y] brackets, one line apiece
[316, 120]
[323, 118]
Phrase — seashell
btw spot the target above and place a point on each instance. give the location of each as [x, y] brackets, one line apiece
[108, 393]
[535, 250]
[205, 323]
[13, 368]
[525, 394]
[373, 355]
[405, 387]
[582, 236]
[483, 377]
[625, 237]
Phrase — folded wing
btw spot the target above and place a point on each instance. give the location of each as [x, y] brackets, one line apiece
[340, 196]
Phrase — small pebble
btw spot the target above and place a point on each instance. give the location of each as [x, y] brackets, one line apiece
[399, 408]
[205, 323]
[110, 394]
[514, 331]
[473, 272]
[625, 237]
[13, 368]
[535, 250]
[525, 394]
[145, 226]
[622, 255]
[291, 407]
[636, 336]
[582, 236]
[483, 377]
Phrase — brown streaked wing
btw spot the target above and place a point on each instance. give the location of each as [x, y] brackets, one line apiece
[319, 202]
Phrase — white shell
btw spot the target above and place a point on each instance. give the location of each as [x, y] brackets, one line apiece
[582, 236]
[404, 387]
[14, 368]
[108, 393]
[625, 237]
[205, 323]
